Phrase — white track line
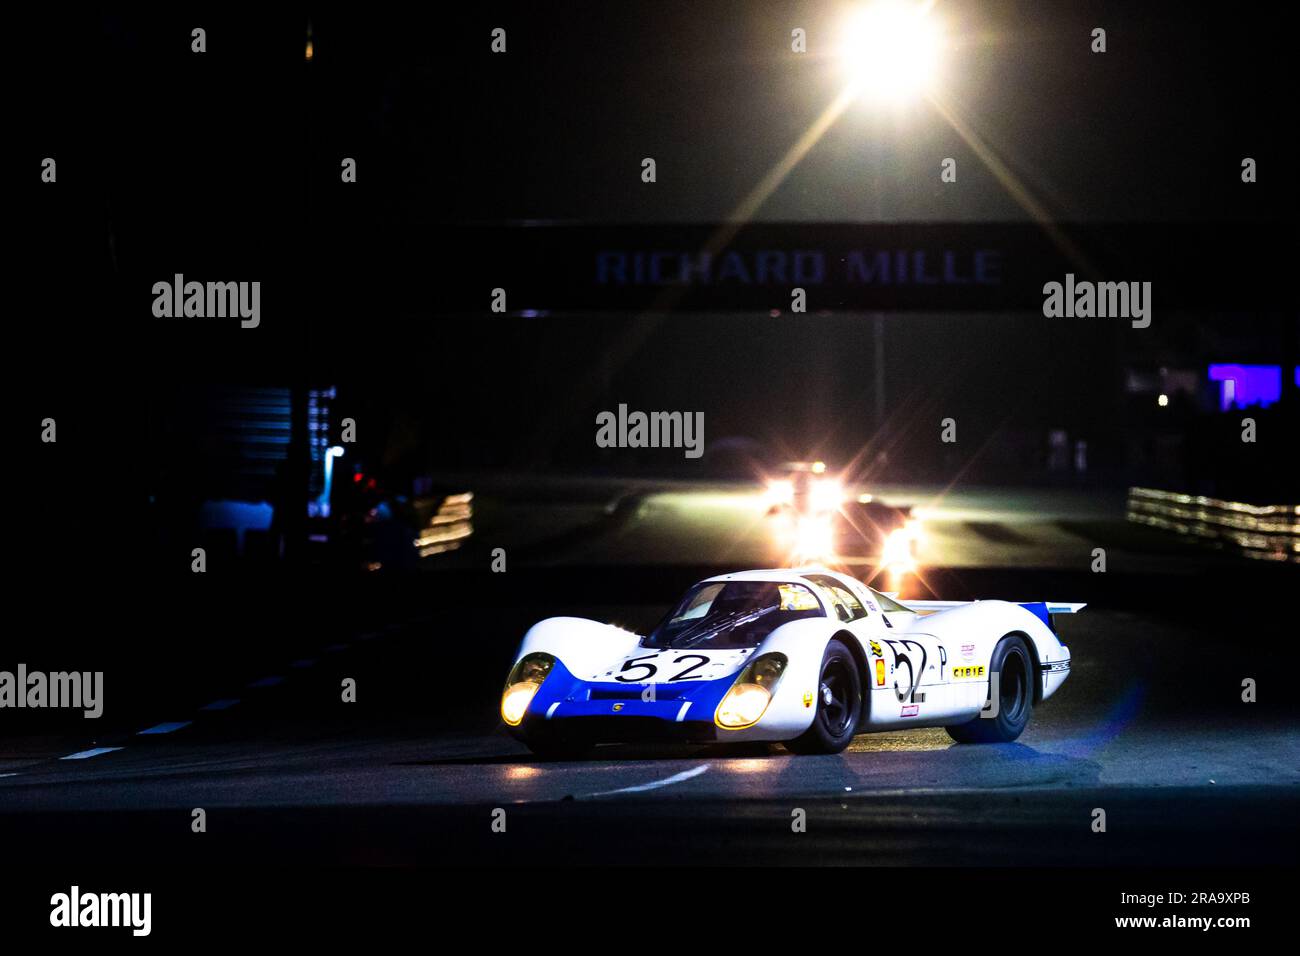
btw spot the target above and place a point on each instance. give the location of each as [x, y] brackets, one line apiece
[666, 782]
[224, 703]
[83, 754]
[166, 728]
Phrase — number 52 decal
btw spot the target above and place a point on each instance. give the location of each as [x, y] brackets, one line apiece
[649, 670]
[907, 694]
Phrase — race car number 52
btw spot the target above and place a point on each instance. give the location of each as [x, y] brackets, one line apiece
[649, 670]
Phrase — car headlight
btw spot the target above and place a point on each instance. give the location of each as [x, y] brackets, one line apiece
[523, 683]
[749, 696]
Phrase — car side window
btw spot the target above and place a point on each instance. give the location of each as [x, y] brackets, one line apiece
[851, 604]
[847, 606]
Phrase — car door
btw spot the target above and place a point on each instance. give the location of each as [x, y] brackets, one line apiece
[913, 685]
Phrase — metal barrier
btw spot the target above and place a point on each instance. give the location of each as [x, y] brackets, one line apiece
[1267, 532]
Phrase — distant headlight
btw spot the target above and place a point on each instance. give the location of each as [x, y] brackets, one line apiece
[826, 494]
[899, 553]
[525, 680]
[779, 492]
[749, 696]
[814, 537]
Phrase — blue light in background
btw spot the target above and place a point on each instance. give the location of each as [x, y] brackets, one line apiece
[1244, 385]
[320, 423]
[323, 502]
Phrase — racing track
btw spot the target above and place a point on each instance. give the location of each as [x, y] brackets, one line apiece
[1150, 728]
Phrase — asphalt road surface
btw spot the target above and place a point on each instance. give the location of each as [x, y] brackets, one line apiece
[1150, 729]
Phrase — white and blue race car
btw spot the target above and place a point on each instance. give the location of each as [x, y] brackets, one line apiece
[807, 658]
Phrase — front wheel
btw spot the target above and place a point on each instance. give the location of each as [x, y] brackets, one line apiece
[839, 705]
[1013, 666]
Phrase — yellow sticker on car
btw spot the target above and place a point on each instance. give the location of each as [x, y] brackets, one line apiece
[975, 670]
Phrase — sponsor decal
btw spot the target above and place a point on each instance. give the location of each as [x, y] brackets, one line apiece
[910, 710]
[974, 670]
[807, 698]
[875, 649]
[617, 708]
[968, 651]
[880, 673]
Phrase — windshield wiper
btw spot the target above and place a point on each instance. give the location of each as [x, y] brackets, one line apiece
[703, 622]
[733, 620]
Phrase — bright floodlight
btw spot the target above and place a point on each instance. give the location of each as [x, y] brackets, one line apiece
[891, 49]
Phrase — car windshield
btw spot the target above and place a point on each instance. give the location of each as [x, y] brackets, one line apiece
[727, 614]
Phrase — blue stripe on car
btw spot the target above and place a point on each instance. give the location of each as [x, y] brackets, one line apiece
[562, 696]
[1039, 610]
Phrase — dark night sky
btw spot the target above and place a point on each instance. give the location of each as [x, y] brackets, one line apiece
[1145, 131]
[226, 165]
[447, 132]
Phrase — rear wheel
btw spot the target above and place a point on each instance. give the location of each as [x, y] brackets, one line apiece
[839, 705]
[1014, 666]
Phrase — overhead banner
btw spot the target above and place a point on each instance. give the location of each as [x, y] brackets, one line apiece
[843, 267]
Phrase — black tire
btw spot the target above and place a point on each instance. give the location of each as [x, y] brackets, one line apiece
[839, 705]
[1014, 666]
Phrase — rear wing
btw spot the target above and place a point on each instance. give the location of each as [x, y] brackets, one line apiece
[1041, 608]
